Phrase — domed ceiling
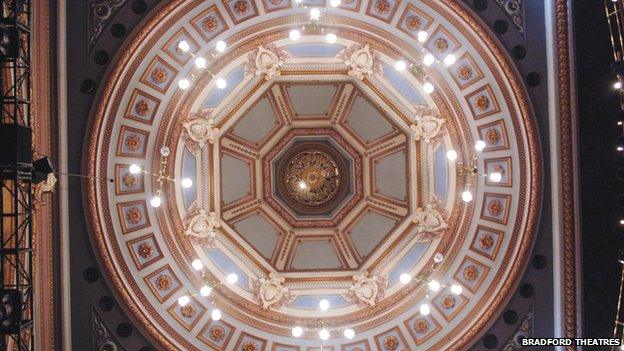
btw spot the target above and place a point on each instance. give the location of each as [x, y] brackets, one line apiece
[321, 170]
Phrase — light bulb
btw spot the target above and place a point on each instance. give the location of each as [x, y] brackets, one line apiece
[349, 333]
[315, 14]
[197, 264]
[220, 46]
[232, 278]
[617, 85]
[334, 3]
[165, 151]
[619, 148]
[400, 65]
[297, 332]
[428, 88]
[324, 334]
[331, 38]
[184, 46]
[324, 305]
[156, 201]
[186, 183]
[434, 285]
[205, 291]
[184, 300]
[134, 169]
[480, 145]
[456, 289]
[428, 60]
[405, 278]
[496, 177]
[438, 257]
[451, 155]
[298, 1]
[450, 60]
[425, 309]
[215, 315]
[221, 83]
[466, 196]
[622, 221]
[184, 84]
[422, 36]
[294, 34]
[302, 185]
[200, 62]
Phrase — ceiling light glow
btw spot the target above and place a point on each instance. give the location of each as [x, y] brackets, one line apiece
[324, 305]
[220, 46]
[349, 333]
[205, 291]
[232, 278]
[184, 84]
[294, 34]
[466, 196]
[197, 264]
[425, 309]
[400, 65]
[156, 201]
[331, 38]
[428, 87]
[184, 300]
[297, 332]
[134, 169]
[221, 83]
[184, 46]
[186, 183]
[456, 289]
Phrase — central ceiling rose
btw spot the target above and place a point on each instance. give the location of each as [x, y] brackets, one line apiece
[312, 177]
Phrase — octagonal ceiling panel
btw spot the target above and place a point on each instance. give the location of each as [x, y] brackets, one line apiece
[402, 205]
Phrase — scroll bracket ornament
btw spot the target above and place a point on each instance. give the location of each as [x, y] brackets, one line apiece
[266, 62]
[201, 129]
[367, 289]
[427, 128]
[429, 222]
[202, 227]
[361, 61]
[270, 292]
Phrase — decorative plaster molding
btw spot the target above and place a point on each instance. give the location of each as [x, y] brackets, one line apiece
[201, 129]
[271, 293]
[266, 62]
[202, 227]
[361, 60]
[366, 290]
[429, 222]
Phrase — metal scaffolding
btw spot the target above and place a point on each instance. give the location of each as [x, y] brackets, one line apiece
[16, 232]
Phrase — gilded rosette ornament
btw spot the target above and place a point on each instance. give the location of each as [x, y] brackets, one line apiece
[361, 60]
[201, 130]
[427, 128]
[429, 222]
[366, 290]
[266, 62]
[271, 293]
[202, 227]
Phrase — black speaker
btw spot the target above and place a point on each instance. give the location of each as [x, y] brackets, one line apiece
[15, 144]
[41, 168]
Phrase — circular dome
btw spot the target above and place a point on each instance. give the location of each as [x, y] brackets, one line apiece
[319, 173]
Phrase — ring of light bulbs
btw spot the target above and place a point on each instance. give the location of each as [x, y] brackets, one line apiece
[468, 171]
